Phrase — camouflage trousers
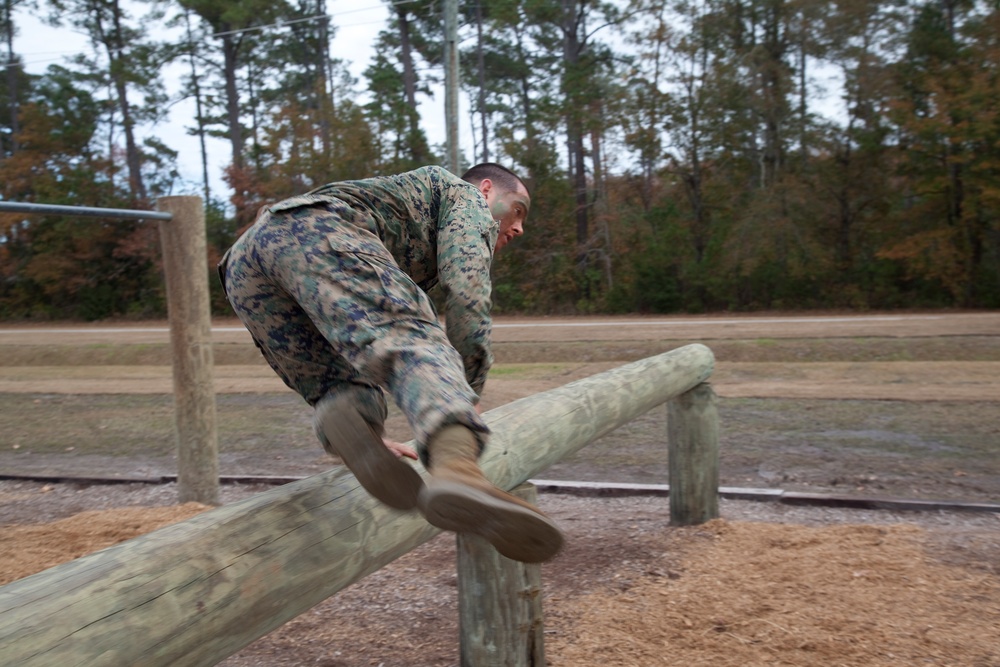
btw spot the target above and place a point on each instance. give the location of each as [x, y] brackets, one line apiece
[332, 312]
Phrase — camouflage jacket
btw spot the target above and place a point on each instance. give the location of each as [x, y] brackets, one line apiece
[439, 230]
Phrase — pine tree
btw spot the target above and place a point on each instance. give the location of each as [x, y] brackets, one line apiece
[125, 62]
[946, 118]
[414, 35]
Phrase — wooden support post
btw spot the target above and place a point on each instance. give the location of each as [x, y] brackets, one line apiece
[499, 604]
[186, 268]
[693, 456]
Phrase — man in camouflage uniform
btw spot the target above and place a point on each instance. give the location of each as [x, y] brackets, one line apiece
[332, 287]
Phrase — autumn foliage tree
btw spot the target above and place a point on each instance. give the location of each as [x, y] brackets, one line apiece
[946, 114]
[55, 266]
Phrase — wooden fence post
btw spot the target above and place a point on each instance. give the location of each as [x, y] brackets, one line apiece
[186, 270]
[693, 456]
[499, 604]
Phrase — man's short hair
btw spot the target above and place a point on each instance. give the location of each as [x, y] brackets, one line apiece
[503, 177]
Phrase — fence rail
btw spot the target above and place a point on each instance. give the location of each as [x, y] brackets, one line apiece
[198, 591]
[83, 211]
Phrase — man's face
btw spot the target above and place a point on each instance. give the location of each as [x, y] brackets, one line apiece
[509, 208]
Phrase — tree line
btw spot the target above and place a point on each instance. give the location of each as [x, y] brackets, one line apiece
[683, 155]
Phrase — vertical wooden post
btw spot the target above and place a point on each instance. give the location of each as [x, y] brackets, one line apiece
[185, 265]
[693, 456]
[499, 604]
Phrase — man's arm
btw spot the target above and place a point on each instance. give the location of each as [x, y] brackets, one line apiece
[465, 253]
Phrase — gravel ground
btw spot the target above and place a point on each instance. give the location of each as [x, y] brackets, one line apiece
[615, 546]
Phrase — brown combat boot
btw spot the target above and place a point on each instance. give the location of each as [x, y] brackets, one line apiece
[346, 433]
[457, 497]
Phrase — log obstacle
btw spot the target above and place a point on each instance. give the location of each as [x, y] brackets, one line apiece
[198, 591]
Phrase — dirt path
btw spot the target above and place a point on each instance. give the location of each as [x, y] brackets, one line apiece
[898, 380]
[769, 584]
[944, 379]
[544, 329]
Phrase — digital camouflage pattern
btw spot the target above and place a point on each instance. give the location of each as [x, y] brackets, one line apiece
[331, 285]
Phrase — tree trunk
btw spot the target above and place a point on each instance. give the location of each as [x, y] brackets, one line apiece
[254, 123]
[596, 108]
[230, 54]
[409, 85]
[773, 93]
[600, 203]
[11, 79]
[525, 84]
[133, 159]
[482, 80]
[803, 100]
[324, 81]
[406, 56]
[199, 113]
[579, 171]
[574, 131]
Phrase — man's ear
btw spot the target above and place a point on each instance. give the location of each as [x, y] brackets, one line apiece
[485, 186]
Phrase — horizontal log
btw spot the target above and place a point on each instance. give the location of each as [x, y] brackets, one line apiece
[532, 433]
[198, 591]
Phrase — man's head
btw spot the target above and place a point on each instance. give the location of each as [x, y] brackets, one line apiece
[506, 195]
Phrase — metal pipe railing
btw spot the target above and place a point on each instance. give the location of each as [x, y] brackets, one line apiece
[83, 211]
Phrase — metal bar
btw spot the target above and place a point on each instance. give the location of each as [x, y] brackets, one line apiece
[89, 211]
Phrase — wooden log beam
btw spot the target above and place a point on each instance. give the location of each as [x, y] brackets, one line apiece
[532, 433]
[198, 591]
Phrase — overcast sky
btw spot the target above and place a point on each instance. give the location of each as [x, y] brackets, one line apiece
[358, 24]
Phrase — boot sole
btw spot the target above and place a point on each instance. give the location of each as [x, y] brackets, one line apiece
[516, 532]
[384, 476]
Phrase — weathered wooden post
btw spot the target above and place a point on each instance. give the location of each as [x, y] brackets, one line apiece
[693, 456]
[499, 604]
[186, 270]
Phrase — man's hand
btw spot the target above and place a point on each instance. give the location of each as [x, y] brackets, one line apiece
[399, 449]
